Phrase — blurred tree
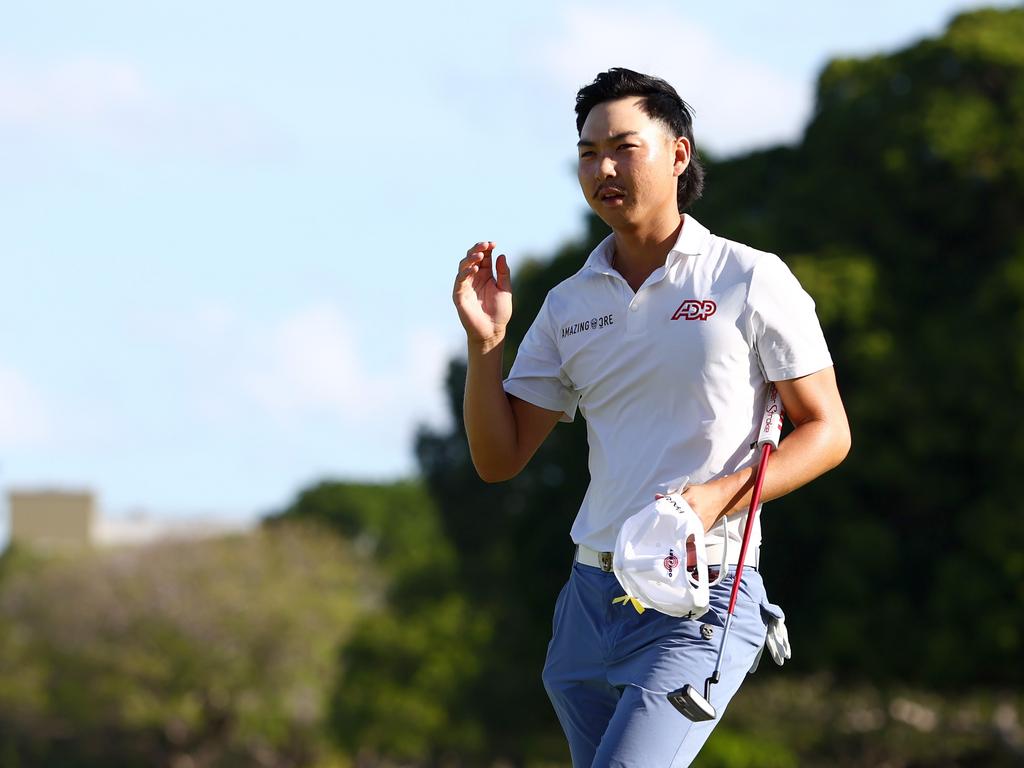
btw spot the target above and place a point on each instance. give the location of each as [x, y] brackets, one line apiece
[395, 524]
[210, 653]
[403, 672]
[402, 679]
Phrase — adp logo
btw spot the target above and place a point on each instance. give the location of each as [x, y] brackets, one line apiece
[695, 309]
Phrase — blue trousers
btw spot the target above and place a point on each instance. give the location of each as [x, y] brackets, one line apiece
[608, 669]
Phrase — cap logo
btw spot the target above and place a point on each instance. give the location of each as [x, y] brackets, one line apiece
[671, 562]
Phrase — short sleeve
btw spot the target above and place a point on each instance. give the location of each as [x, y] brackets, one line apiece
[537, 375]
[785, 329]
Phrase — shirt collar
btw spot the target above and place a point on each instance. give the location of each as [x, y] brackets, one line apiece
[600, 259]
[693, 237]
[692, 241]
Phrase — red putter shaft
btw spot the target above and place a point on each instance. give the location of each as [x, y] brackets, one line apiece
[748, 526]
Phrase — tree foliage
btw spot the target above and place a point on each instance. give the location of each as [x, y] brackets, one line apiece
[401, 679]
[207, 653]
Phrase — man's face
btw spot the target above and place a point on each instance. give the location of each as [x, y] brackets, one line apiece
[629, 164]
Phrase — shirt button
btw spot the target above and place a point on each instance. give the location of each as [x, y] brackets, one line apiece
[634, 307]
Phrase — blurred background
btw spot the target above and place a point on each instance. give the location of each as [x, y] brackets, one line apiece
[242, 527]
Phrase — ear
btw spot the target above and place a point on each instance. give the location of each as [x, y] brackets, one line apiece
[681, 147]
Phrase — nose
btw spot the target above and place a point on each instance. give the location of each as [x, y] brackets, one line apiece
[606, 167]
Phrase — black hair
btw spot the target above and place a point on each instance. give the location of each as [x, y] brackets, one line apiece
[660, 102]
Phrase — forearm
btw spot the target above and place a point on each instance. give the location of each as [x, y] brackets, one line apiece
[490, 422]
[809, 451]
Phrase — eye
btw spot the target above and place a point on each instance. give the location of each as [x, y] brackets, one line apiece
[627, 146]
[588, 153]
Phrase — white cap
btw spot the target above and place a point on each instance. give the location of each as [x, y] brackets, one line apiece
[650, 558]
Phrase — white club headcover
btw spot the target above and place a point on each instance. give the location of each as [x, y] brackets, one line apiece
[650, 558]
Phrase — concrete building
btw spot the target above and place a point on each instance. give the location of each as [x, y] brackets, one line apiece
[50, 520]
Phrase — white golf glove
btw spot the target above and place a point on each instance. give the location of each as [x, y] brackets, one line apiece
[778, 640]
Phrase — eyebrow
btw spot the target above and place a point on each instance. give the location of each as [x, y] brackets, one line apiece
[616, 137]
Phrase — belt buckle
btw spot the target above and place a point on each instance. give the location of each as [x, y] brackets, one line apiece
[605, 558]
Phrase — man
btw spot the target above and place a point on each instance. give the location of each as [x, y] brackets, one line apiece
[666, 340]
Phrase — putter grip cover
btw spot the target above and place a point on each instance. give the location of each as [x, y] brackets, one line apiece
[771, 421]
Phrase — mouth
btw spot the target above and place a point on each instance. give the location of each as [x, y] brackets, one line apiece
[611, 196]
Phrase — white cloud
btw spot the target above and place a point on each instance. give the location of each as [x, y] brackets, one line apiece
[25, 419]
[317, 363]
[428, 363]
[82, 92]
[113, 102]
[311, 363]
[739, 103]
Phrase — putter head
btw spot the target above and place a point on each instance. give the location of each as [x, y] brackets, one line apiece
[692, 704]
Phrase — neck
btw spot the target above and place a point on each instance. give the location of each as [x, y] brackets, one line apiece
[641, 249]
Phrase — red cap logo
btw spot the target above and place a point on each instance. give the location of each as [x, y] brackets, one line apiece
[671, 562]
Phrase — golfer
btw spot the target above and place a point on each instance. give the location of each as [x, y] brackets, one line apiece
[665, 340]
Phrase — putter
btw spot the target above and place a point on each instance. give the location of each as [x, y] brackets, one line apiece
[688, 700]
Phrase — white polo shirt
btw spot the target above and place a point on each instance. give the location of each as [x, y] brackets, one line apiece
[671, 379]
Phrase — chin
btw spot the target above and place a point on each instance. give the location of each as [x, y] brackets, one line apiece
[616, 219]
[603, 216]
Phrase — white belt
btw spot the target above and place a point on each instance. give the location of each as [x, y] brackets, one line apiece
[592, 557]
[603, 560]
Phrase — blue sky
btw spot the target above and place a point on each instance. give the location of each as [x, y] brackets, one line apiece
[228, 231]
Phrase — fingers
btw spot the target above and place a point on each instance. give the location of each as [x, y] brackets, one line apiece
[480, 247]
[470, 261]
[476, 255]
[504, 276]
[478, 258]
[485, 262]
[464, 275]
[470, 265]
[468, 268]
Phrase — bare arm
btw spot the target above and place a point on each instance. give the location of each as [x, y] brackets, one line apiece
[503, 431]
[819, 442]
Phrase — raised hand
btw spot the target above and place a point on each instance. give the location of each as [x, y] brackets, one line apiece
[484, 301]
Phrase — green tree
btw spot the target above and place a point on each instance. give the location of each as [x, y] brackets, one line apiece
[403, 673]
[396, 525]
[218, 651]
